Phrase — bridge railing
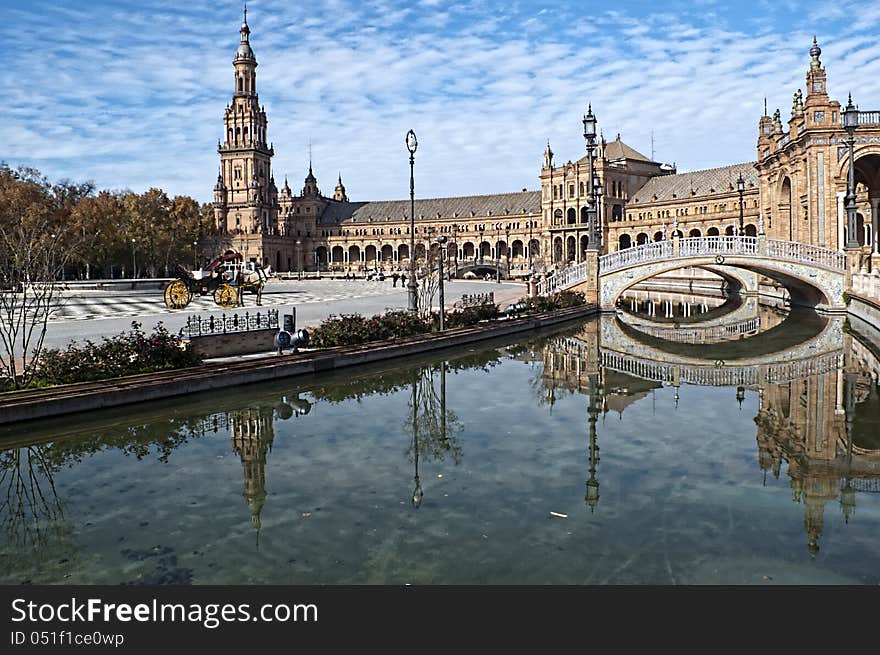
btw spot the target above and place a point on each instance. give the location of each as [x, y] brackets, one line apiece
[804, 252]
[647, 252]
[717, 246]
[562, 279]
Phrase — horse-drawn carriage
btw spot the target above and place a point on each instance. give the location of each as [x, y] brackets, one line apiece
[228, 277]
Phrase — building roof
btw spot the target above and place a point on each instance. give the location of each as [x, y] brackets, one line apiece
[617, 150]
[697, 183]
[499, 205]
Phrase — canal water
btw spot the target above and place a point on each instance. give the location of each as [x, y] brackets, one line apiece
[605, 452]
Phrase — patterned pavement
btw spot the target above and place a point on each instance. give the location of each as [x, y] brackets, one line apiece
[91, 304]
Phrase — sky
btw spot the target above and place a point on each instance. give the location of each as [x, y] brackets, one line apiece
[130, 94]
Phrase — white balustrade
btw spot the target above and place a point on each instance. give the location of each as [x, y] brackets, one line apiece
[718, 247]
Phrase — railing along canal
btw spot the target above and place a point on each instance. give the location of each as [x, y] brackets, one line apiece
[197, 326]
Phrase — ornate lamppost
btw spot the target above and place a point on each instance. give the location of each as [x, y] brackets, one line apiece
[480, 245]
[411, 145]
[850, 122]
[507, 247]
[441, 246]
[531, 264]
[195, 255]
[741, 187]
[597, 191]
[299, 268]
[590, 137]
[498, 253]
[592, 486]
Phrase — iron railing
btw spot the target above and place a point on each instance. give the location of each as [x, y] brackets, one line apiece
[197, 326]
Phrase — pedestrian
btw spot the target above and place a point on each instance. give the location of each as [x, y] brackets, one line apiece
[394, 277]
[403, 279]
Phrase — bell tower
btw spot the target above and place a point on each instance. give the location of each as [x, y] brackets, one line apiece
[249, 204]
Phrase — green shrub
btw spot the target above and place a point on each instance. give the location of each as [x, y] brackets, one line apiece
[125, 354]
[468, 316]
[353, 329]
[558, 300]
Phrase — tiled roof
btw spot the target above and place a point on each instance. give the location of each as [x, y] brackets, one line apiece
[498, 204]
[617, 149]
[697, 183]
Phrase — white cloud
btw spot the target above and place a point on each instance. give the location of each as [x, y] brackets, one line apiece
[134, 97]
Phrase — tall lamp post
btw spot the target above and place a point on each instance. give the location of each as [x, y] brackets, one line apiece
[480, 247]
[133, 261]
[741, 187]
[498, 253]
[590, 137]
[411, 145]
[507, 248]
[597, 190]
[850, 122]
[531, 265]
[195, 255]
[441, 243]
[299, 268]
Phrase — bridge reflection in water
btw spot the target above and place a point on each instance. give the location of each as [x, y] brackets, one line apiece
[807, 396]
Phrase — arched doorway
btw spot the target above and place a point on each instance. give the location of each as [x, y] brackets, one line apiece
[337, 255]
[585, 243]
[658, 236]
[516, 249]
[370, 253]
[624, 242]
[402, 252]
[570, 246]
[751, 230]
[557, 249]
[641, 238]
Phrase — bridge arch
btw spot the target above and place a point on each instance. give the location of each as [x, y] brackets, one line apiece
[813, 275]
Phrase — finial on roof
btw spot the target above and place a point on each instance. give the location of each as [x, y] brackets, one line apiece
[815, 51]
[765, 105]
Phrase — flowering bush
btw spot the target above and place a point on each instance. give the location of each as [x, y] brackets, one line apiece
[125, 354]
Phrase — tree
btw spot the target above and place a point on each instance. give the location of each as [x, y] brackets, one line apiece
[429, 280]
[37, 242]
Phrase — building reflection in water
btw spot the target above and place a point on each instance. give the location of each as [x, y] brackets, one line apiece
[253, 432]
[807, 421]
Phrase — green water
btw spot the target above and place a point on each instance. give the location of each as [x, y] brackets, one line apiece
[326, 480]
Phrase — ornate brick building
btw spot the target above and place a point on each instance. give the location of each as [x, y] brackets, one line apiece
[794, 191]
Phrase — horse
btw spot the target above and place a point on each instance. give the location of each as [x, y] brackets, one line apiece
[252, 280]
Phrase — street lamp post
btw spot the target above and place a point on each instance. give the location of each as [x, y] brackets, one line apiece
[411, 145]
[850, 122]
[590, 137]
[195, 255]
[497, 253]
[299, 270]
[507, 248]
[531, 265]
[597, 191]
[480, 246]
[133, 261]
[441, 243]
[741, 187]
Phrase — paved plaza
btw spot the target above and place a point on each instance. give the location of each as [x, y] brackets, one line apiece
[93, 313]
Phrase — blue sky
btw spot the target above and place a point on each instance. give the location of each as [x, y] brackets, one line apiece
[131, 94]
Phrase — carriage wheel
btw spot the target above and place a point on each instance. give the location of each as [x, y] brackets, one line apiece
[177, 294]
[226, 296]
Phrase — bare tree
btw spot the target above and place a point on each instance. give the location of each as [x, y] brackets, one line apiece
[429, 280]
[37, 242]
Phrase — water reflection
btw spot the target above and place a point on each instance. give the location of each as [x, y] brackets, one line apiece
[352, 438]
[810, 385]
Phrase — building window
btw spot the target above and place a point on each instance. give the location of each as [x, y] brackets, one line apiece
[571, 190]
[819, 116]
[237, 173]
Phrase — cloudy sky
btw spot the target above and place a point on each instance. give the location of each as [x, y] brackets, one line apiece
[131, 94]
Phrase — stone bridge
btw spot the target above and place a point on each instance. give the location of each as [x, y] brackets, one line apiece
[813, 275]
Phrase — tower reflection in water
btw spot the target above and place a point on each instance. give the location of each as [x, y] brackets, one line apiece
[807, 401]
